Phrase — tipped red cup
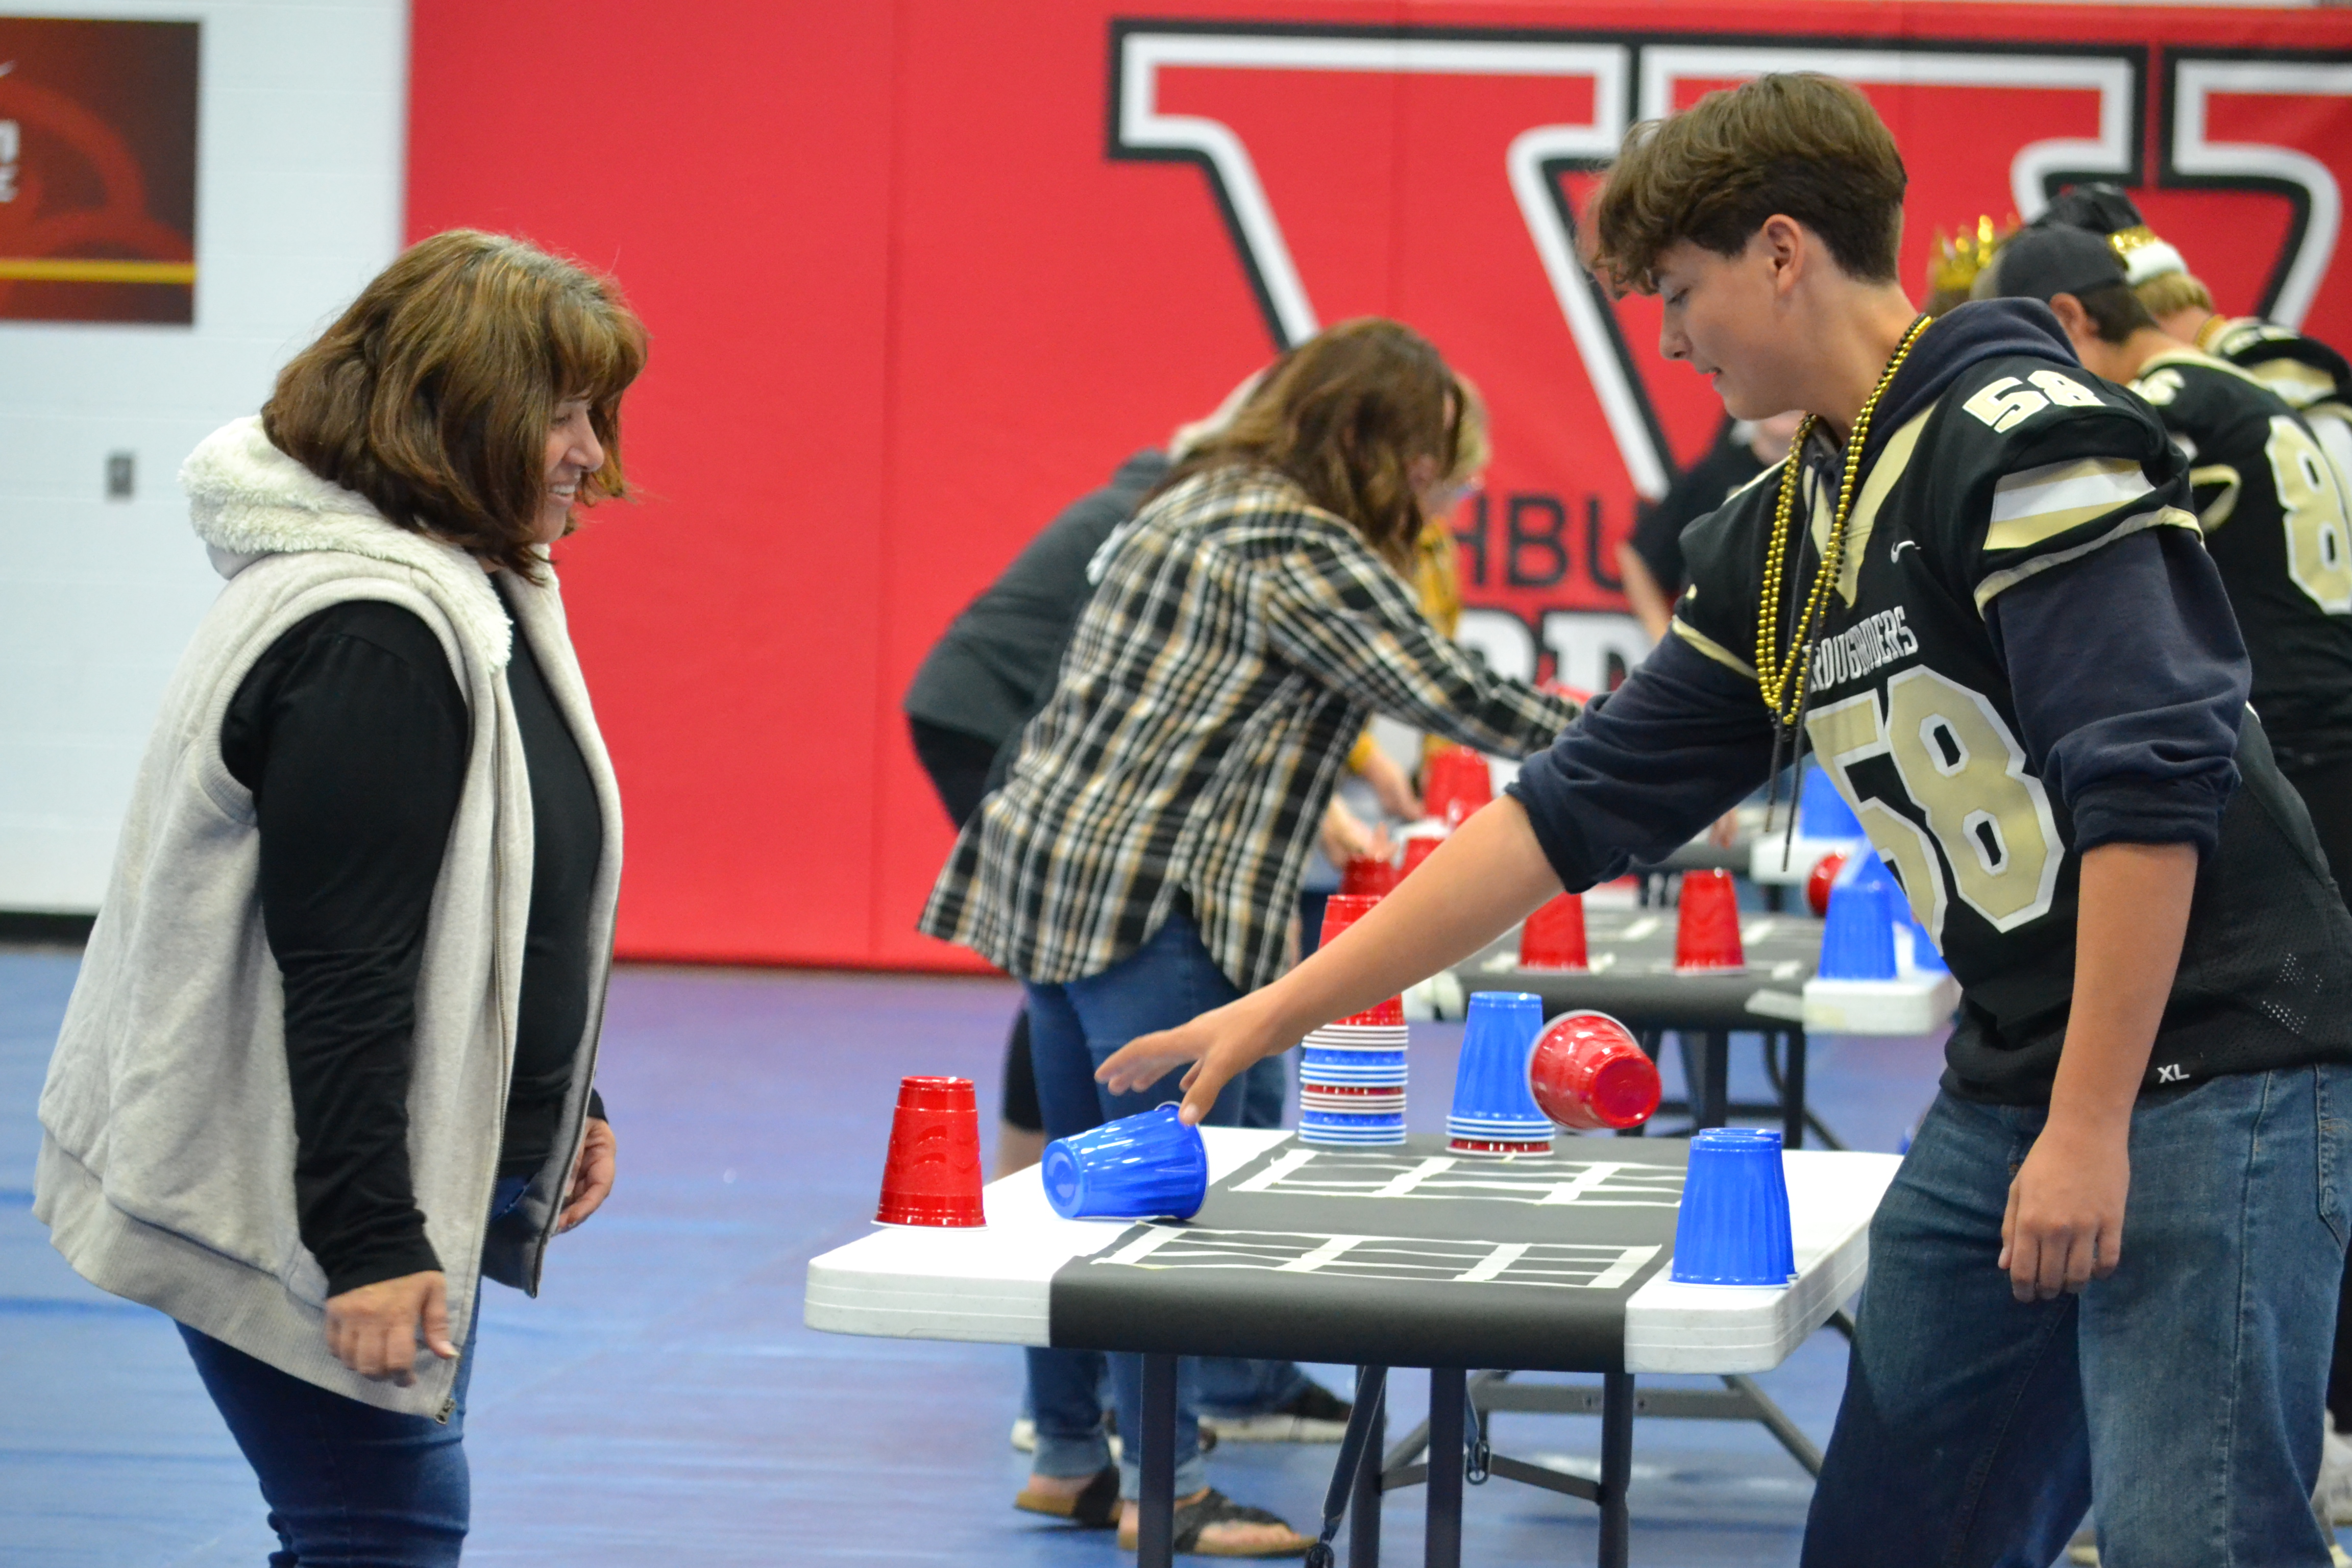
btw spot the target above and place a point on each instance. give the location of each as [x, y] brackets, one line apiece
[1367, 876]
[1823, 877]
[1553, 937]
[932, 1175]
[1588, 1071]
[1706, 930]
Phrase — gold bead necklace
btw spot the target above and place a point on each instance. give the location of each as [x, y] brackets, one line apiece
[1781, 678]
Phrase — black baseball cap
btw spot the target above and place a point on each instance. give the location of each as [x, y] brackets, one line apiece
[2041, 262]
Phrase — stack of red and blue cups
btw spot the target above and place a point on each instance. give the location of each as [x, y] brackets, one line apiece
[1351, 1080]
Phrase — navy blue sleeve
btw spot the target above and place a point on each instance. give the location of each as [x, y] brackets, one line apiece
[2130, 680]
[1646, 765]
[351, 733]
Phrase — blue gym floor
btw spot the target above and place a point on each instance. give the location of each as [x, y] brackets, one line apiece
[661, 1402]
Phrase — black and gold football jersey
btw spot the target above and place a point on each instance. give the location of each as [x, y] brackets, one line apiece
[2019, 467]
[2274, 513]
[2310, 377]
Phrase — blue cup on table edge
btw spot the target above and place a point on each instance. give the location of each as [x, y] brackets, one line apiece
[1733, 1228]
[1147, 1167]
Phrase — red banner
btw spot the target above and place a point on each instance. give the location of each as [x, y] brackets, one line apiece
[917, 278]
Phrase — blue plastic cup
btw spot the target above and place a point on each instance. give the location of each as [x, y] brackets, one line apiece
[1491, 1097]
[1824, 813]
[1734, 1225]
[1317, 1126]
[1138, 1167]
[1858, 937]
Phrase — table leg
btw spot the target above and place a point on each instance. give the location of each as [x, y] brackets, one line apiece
[1793, 1092]
[1616, 1466]
[1448, 1396]
[1773, 897]
[1156, 1506]
[1711, 1101]
[1364, 1500]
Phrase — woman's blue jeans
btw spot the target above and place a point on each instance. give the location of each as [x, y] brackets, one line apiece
[348, 1485]
[1074, 1028]
[2183, 1393]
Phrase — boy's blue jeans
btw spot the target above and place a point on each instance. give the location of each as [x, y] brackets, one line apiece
[1074, 1028]
[2183, 1393]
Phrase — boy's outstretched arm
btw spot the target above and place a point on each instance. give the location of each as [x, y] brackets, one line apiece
[1479, 883]
[1646, 766]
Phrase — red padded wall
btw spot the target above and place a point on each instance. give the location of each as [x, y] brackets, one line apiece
[905, 303]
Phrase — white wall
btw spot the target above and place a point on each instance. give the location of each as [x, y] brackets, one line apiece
[301, 121]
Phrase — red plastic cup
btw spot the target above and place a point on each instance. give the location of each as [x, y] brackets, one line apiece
[1457, 782]
[1341, 910]
[1707, 933]
[1553, 937]
[1589, 1071]
[932, 1174]
[1818, 885]
[1367, 876]
[1416, 850]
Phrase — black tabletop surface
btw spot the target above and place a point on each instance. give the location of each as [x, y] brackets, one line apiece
[1401, 1256]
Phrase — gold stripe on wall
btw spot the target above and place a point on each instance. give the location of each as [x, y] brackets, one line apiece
[45, 269]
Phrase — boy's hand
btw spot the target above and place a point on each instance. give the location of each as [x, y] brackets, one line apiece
[2064, 1227]
[1222, 1045]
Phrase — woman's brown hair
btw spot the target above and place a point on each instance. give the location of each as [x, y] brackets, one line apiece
[432, 396]
[1343, 415]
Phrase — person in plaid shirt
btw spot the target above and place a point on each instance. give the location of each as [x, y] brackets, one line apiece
[1141, 862]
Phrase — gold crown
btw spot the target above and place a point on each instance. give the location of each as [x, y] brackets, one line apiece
[2126, 240]
[1959, 259]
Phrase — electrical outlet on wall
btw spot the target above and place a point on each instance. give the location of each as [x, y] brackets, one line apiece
[121, 475]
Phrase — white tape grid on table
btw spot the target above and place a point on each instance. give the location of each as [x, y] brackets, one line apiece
[1558, 1265]
[1595, 1183]
[993, 1286]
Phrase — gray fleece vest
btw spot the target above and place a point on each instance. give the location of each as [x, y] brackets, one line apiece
[166, 1173]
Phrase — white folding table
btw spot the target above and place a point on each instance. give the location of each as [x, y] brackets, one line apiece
[993, 1286]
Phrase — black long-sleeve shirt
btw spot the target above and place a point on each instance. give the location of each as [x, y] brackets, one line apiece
[352, 735]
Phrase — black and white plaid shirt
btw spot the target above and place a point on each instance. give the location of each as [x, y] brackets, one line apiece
[1237, 640]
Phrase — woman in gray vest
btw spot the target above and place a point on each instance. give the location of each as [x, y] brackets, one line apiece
[329, 1063]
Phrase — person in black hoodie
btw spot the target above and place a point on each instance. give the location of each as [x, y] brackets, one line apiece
[1975, 590]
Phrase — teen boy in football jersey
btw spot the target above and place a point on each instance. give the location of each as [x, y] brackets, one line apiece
[2108, 1262]
[2268, 501]
[2314, 379]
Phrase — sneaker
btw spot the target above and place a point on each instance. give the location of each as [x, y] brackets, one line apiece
[1313, 1415]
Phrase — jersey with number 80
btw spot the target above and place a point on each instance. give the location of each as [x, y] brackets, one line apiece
[2275, 516]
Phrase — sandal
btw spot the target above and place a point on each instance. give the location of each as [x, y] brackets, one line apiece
[1214, 1508]
[1096, 1508]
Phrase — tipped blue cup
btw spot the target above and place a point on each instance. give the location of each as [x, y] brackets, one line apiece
[1858, 936]
[1138, 1167]
[1824, 813]
[1491, 1097]
[1734, 1225]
